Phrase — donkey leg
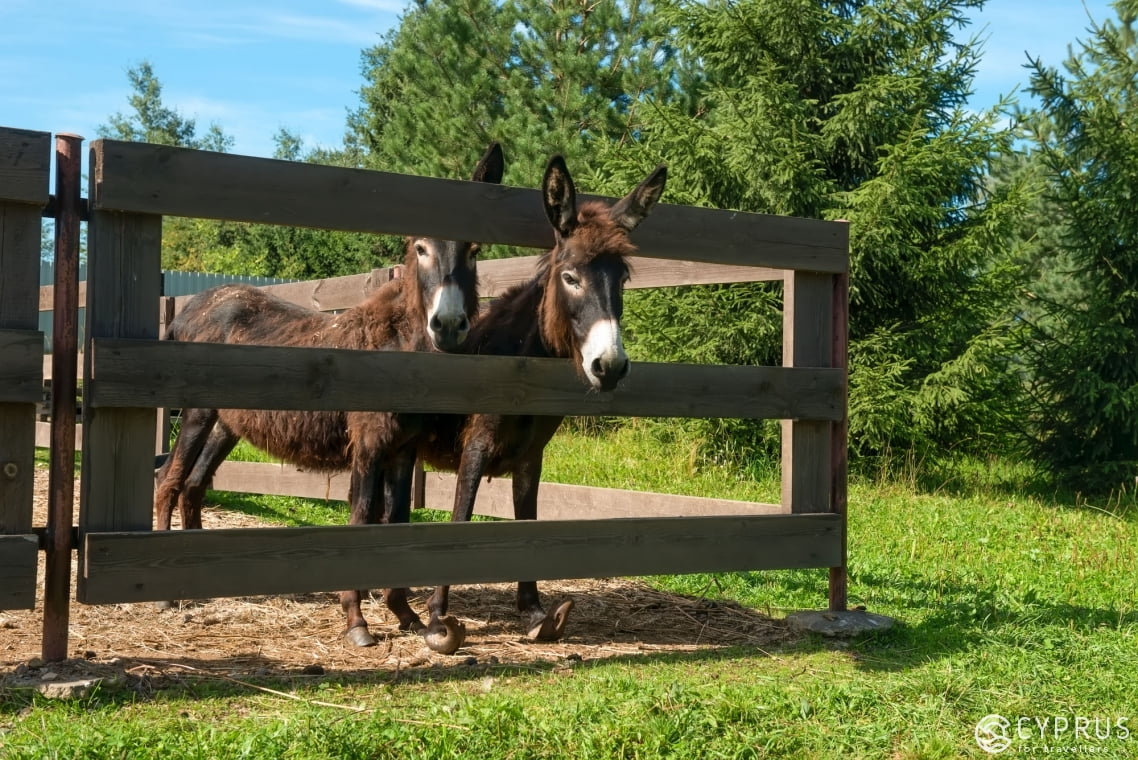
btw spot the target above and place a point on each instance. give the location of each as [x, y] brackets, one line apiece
[541, 626]
[171, 476]
[440, 634]
[470, 469]
[366, 509]
[220, 442]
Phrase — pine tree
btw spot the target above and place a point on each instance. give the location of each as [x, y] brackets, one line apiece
[206, 245]
[153, 122]
[543, 77]
[1084, 352]
[851, 110]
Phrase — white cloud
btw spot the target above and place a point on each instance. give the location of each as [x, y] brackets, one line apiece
[320, 29]
[386, 6]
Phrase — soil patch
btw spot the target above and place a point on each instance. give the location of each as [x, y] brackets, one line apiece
[302, 634]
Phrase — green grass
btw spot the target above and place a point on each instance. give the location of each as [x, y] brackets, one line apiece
[1008, 601]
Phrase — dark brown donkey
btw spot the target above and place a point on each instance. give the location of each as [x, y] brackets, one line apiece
[430, 307]
[571, 309]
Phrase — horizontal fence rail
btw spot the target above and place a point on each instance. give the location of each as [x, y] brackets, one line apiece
[495, 277]
[246, 189]
[555, 501]
[134, 567]
[140, 373]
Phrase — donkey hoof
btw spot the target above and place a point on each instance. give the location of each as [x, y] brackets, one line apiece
[551, 627]
[445, 635]
[360, 636]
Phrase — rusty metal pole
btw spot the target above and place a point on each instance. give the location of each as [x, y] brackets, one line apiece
[64, 368]
[839, 434]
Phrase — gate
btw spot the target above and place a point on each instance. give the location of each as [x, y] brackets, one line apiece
[128, 373]
[25, 163]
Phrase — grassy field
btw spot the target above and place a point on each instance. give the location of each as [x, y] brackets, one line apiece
[1008, 602]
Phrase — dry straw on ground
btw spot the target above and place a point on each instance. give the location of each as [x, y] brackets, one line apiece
[275, 636]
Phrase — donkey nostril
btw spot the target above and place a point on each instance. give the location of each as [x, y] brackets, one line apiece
[463, 323]
[623, 370]
[435, 324]
[597, 368]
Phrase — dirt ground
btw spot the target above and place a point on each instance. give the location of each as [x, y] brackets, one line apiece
[274, 636]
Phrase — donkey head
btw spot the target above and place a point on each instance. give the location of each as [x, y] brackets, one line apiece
[444, 273]
[586, 271]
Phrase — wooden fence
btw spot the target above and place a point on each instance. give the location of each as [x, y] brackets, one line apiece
[128, 373]
[25, 164]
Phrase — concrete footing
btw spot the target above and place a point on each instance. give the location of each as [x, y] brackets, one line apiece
[838, 624]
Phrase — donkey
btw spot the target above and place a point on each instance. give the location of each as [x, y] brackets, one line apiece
[571, 309]
[430, 307]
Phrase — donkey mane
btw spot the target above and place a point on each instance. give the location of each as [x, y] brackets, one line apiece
[595, 234]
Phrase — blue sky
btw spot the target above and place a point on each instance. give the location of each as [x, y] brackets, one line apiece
[256, 67]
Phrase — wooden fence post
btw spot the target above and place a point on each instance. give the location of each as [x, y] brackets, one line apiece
[807, 326]
[123, 281]
[839, 438]
[64, 347]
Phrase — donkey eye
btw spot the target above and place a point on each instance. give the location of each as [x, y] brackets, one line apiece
[475, 249]
[420, 249]
[570, 279]
[624, 280]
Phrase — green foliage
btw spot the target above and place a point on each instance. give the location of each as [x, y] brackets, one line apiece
[153, 122]
[1084, 342]
[204, 245]
[847, 110]
[985, 283]
[542, 77]
[1005, 604]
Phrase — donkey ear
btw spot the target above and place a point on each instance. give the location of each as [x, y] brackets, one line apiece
[630, 210]
[491, 166]
[559, 197]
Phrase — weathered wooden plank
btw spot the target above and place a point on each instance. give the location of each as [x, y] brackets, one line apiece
[556, 501]
[152, 179]
[21, 366]
[17, 466]
[47, 368]
[137, 567]
[47, 295]
[175, 374]
[117, 486]
[43, 435]
[807, 342]
[280, 480]
[658, 273]
[25, 164]
[25, 159]
[560, 501]
[495, 276]
[18, 571]
[19, 265]
[839, 439]
[332, 294]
